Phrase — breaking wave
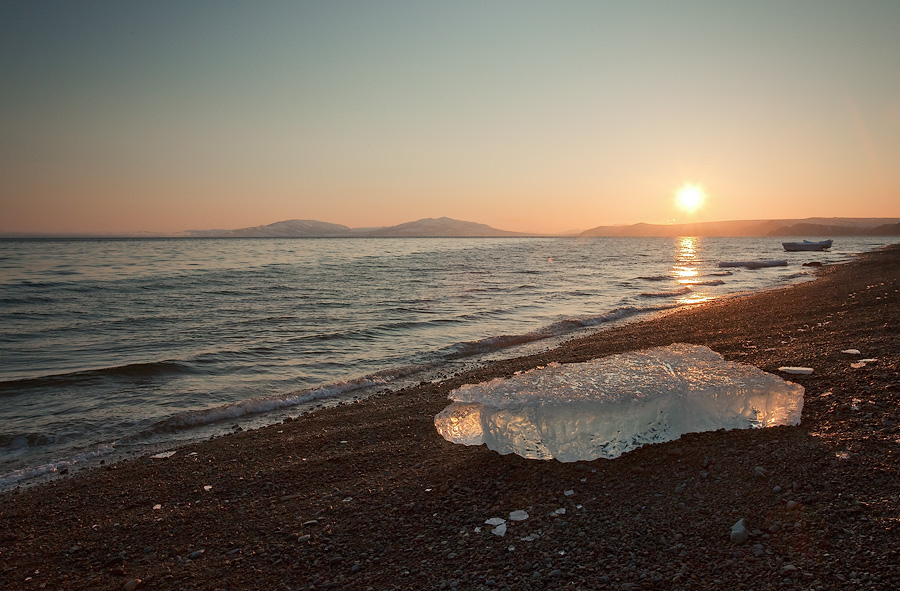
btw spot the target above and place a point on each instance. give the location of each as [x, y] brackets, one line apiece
[57, 467]
[667, 294]
[256, 406]
[498, 342]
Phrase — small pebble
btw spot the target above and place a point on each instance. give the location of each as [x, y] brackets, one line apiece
[739, 533]
[518, 515]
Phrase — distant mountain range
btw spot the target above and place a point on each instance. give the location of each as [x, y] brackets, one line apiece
[428, 227]
[786, 227]
[449, 228]
[446, 227]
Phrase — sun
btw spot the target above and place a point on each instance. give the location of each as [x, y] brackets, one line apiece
[690, 198]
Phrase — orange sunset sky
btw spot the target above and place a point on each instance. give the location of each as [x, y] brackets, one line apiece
[166, 116]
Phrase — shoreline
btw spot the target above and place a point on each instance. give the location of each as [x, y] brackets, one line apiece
[368, 495]
[39, 465]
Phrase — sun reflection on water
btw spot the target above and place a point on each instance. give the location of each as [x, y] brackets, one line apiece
[686, 259]
[686, 271]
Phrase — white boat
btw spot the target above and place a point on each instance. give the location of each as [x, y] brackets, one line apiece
[806, 245]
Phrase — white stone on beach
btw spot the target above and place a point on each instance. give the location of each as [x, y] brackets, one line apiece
[605, 407]
[163, 455]
[862, 363]
[495, 521]
[851, 351]
[800, 371]
[500, 530]
[518, 515]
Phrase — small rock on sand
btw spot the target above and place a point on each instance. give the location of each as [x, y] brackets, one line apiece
[800, 371]
[739, 533]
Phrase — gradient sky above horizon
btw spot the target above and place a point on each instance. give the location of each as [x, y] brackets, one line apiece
[165, 116]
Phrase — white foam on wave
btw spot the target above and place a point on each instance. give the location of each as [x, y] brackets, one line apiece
[708, 283]
[196, 418]
[667, 294]
[51, 468]
[557, 329]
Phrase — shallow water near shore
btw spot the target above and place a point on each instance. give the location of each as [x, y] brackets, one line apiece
[112, 345]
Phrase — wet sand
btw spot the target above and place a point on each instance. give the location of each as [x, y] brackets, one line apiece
[369, 496]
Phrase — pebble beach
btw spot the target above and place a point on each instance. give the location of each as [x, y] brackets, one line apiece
[367, 495]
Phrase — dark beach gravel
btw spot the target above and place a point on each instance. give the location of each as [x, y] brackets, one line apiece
[368, 495]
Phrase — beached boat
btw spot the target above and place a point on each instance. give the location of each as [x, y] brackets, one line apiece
[806, 245]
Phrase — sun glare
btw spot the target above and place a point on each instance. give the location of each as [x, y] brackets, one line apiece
[690, 198]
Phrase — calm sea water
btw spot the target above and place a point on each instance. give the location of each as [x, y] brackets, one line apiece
[112, 346]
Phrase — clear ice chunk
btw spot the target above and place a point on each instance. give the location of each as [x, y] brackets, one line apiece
[606, 407]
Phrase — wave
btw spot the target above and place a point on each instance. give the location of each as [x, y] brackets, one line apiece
[16, 476]
[655, 278]
[798, 275]
[151, 369]
[667, 294]
[707, 283]
[201, 417]
[11, 443]
[27, 299]
[499, 342]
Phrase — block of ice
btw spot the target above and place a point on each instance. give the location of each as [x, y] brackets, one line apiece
[605, 407]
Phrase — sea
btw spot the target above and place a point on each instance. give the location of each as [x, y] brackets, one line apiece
[111, 348]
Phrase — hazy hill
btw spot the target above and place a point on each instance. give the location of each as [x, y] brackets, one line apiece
[785, 227]
[429, 227]
[729, 228]
[842, 229]
[441, 227]
[285, 229]
[886, 230]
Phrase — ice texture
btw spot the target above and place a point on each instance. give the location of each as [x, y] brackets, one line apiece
[605, 407]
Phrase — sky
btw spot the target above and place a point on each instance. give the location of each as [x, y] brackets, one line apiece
[124, 116]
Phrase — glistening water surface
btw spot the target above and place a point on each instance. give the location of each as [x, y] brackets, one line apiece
[117, 344]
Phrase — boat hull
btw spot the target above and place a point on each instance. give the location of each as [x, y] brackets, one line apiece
[806, 245]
